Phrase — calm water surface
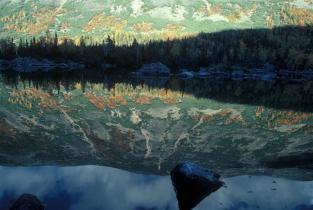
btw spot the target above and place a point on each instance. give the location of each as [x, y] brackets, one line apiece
[93, 187]
[147, 126]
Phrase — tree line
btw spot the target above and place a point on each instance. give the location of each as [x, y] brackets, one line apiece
[288, 47]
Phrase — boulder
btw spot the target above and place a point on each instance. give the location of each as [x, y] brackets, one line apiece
[27, 202]
[193, 183]
[186, 74]
[154, 69]
[75, 66]
[203, 73]
[237, 74]
[46, 65]
[61, 66]
[20, 64]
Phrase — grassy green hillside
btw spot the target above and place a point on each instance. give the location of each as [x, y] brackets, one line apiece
[145, 19]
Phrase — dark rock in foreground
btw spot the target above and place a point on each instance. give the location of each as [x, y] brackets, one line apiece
[27, 202]
[193, 183]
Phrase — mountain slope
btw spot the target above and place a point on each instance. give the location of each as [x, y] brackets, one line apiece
[148, 19]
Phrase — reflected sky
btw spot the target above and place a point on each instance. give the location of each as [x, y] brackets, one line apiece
[95, 188]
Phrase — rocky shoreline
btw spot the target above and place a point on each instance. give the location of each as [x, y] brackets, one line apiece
[159, 70]
[267, 73]
[28, 64]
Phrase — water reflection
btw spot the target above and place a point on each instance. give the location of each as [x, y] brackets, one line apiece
[98, 119]
[279, 94]
[93, 188]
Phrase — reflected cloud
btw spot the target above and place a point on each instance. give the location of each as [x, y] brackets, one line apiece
[260, 192]
[96, 187]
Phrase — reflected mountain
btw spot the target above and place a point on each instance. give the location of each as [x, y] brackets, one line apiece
[232, 127]
[279, 94]
[94, 187]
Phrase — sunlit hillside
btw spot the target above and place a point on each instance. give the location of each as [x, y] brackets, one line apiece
[145, 19]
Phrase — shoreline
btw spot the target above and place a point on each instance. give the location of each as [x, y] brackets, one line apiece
[29, 65]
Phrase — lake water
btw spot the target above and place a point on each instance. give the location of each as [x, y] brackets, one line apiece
[94, 187]
[147, 126]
